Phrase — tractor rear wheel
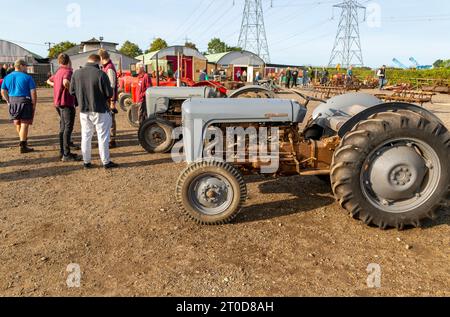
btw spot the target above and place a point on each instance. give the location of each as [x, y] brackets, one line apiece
[124, 101]
[392, 170]
[133, 115]
[261, 93]
[211, 192]
[155, 136]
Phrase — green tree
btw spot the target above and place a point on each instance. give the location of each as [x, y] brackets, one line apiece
[234, 49]
[216, 45]
[190, 45]
[157, 44]
[130, 49]
[60, 48]
[439, 63]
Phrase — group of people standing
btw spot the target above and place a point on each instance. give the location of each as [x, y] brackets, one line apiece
[292, 76]
[93, 88]
[5, 70]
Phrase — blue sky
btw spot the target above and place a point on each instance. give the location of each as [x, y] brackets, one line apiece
[298, 31]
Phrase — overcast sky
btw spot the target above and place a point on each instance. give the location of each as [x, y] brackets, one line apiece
[298, 31]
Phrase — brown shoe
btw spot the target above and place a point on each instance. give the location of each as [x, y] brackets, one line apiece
[24, 148]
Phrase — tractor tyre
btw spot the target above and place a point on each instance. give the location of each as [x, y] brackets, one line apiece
[250, 94]
[392, 170]
[155, 136]
[133, 115]
[211, 192]
[263, 94]
[324, 178]
[124, 101]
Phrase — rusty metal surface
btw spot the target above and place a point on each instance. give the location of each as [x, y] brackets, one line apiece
[297, 155]
[405, 95]
[326, 92]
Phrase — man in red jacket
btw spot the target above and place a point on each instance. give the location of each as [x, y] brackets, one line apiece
[65, 105]
[110, 70]
[144, 83]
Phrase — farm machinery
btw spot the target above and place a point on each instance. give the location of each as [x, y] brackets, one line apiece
[128, 85]
[388, 163]
[164, 110]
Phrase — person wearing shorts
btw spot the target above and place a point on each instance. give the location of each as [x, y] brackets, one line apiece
[19, 91]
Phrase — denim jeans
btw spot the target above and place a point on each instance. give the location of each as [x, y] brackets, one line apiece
[66, 123]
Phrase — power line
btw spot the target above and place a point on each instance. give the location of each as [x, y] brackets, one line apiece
[198, 19]
[27, 43]
[321, 23]
[227, 22]
[189, 18]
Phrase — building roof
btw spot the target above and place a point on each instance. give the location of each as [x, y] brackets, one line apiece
[215, 58]
[95, 41]
[284, 66]
[9, 52]
[74, 50]
[171, 51]
[236, 58]
[87, 53]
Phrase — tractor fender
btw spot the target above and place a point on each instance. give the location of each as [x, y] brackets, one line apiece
[385, 107]
[252, 88]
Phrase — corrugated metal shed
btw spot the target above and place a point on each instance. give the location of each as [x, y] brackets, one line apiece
[171, 51]
[10, 52]
[236, 58]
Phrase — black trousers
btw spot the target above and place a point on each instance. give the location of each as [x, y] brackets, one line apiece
[142, 112]
[294, 80]
[66, 123]
[288, 82]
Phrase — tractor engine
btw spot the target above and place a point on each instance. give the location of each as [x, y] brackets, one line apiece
[295, 154]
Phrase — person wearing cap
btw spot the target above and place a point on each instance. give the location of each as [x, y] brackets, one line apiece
[110, 70]
[19, 91]
[93, 92]
[65, 106]
[143, 84]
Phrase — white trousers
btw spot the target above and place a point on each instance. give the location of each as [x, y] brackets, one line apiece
[91, 122]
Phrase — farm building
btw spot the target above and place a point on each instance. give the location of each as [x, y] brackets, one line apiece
[38, 67]
[233, 63]
[80, 53]
[191, 61]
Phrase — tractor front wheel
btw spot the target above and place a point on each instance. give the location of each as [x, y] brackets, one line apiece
[211, 192]
[125, 101]
[133, 115]
[155, 136]
[392, 170]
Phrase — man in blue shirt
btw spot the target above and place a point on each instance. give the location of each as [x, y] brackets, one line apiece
[19, 92]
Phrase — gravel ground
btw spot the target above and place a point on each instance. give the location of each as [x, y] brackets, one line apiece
[126, 233]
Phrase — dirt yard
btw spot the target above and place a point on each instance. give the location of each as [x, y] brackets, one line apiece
[125, 231]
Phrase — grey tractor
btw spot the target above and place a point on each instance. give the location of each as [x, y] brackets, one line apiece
[164, 111]
[388, 163]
